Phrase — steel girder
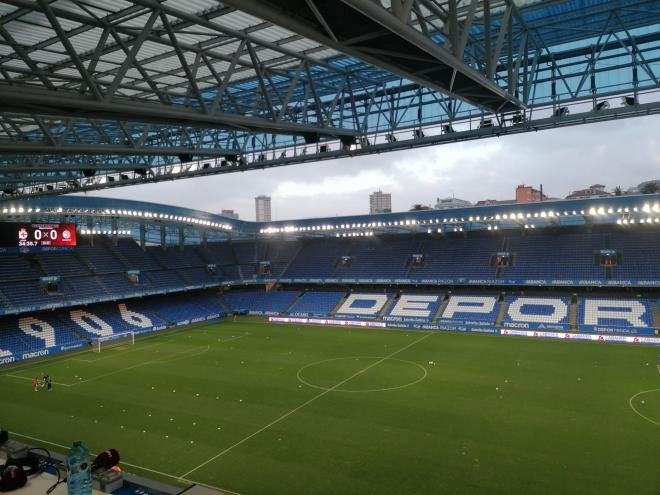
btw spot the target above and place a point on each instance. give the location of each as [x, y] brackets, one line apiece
[164, 57]
[400, 40]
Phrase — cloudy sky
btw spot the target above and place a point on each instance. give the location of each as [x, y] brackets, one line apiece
[621, 153]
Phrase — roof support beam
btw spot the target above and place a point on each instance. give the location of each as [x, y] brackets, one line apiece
[66, 104]
[477, 90]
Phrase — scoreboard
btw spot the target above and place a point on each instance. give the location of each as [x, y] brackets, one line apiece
[37, 236]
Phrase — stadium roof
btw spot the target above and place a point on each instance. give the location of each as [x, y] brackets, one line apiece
[98, 93]
[85, 211]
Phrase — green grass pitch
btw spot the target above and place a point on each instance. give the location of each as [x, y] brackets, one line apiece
[258, 408]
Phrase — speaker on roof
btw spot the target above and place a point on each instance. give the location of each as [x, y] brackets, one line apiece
[347, 140]
[311, 137]
[185, 157]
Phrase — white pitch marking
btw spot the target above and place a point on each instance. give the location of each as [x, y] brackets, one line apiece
[221, 490]
[123, 353]
[286, 415]
[183, 355]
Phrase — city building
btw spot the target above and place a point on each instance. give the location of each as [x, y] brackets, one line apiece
[527, 194]
[449, 203]
[494, 202]
[593, 191]
[229, 214]
[380, 202]
[262, 203]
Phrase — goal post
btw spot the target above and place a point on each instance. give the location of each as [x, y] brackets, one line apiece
[114, 340]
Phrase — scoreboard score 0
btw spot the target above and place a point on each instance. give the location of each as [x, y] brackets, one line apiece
[37, 236]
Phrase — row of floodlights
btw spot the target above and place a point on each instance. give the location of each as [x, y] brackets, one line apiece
[626, 221]
[20, 209]
[515, 216]
[104, 232]
[165, 216]
[355, 234]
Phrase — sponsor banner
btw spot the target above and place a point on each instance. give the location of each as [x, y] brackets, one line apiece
[349, 316]
[7, 359]
[408, 319]
[466, 328]
[319, 321]
[583, 336]
[536, 326]
[452, 321]
[606, 329]
[457, 281]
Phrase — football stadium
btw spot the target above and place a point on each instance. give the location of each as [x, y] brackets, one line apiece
[497, 348]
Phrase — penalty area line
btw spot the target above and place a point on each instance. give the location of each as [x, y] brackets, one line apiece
[167, 475]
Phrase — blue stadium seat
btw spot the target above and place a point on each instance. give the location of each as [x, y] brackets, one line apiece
[313, 303]
[259, 302]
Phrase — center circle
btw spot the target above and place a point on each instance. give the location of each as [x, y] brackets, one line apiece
[646, 404]
[361, 374]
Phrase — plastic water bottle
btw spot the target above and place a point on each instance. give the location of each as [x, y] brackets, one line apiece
[79, 470]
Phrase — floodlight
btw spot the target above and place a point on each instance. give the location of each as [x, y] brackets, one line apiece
[485, 123]
[562, 111]
[390, 138]
[448, 129]
[629, 101]
[518, 119]
[418, 134]
[602, 105]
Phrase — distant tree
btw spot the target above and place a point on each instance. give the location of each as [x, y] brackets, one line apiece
[617, 191]
[650, 188]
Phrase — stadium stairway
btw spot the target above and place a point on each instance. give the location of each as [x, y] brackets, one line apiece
[339, 304]
[223, 305]
[291, 260]
[386, 308]
[36, 264]
[441, 309]
[572, 315]
[4, 301]
[294, 302]
[410, 267]
[59, 316]
[504, 306]
[656, 314]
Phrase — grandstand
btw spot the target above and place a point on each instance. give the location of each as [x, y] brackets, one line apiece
[373, 386]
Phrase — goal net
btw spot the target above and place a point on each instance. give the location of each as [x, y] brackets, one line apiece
[114, 340]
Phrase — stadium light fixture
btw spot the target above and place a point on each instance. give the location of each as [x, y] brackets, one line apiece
[628, 101]
[602, 105]
[562, 111]
[635, 209]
